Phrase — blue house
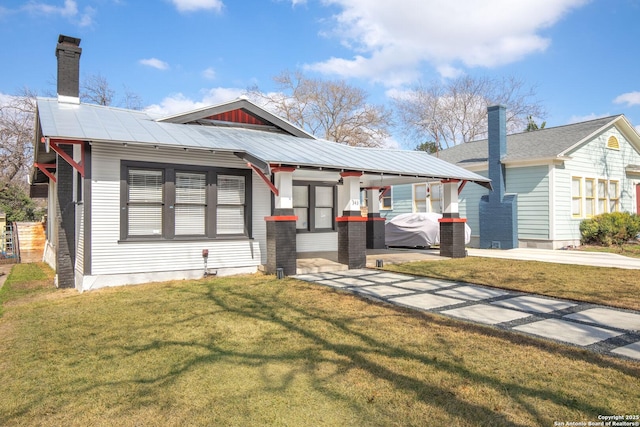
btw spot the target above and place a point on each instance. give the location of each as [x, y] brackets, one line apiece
[561, 175]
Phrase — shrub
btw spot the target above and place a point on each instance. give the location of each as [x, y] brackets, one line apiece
[610, 228]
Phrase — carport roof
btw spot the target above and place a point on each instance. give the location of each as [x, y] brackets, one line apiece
[94, 123]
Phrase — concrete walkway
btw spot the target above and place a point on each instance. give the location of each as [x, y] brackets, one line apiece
[597, 328]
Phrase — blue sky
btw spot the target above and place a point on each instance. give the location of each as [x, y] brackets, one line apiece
[582, 56]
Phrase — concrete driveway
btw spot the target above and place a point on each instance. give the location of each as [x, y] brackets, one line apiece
[596, 259]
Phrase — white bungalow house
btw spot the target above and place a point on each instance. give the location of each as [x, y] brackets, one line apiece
[134, 198]
[561, 175]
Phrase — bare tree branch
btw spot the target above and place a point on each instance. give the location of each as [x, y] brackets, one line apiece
[455, 112]
[17, 115]
[332, 110]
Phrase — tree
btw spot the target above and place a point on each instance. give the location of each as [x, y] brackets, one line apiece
[429, 147]
[95, 89]
[15, 202]
[532, 125]
[456, 111]
[332, 110]
[17, 115]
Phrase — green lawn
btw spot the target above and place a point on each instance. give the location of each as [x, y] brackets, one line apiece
[253, 351]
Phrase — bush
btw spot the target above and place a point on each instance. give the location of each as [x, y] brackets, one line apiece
[610, 228]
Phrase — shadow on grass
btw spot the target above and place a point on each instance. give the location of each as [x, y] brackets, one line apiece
[347, 347]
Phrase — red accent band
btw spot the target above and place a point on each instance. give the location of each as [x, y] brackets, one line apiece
[346, 174]
[351, 219]
[449, 181]
[281, 218]
[452, 220]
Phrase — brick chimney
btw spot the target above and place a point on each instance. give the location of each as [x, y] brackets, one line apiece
[497, 117]
[498, 210]
[68, 52]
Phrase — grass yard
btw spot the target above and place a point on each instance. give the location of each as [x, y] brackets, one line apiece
[256, 351]
[628, 249]
[609, 286]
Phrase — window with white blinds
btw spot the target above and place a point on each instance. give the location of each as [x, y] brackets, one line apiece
[184, 202]
[191, 203]
[231, 203]
[145, 202]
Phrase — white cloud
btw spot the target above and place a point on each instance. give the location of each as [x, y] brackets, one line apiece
[68, 10]
[193, 5]
[629, 98]
[178, 103]
[388, 37]
[209, 73]
[155, 63]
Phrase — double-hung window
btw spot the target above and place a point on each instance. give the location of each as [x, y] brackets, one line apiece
[591, 196]
[420, 197]
[145, 202]
[163, 201]
[191, 203]
[314, 205]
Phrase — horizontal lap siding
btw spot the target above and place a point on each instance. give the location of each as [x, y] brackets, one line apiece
[401, 201]
[317, 242]
[531, 184]
[109, 256]
[469, 204]
[595, 160]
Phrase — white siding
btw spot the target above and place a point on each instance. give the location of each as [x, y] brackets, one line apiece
[110, 256]
[79, 267]
[317, 242]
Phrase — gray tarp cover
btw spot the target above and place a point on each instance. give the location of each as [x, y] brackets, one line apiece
[417, 229]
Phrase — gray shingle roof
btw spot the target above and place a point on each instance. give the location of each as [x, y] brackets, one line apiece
[113, 125]
[545, 143]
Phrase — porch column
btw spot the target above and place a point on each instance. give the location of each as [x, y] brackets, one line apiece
[375, 224]
[281, 227]
[452, 227]
[352, 232]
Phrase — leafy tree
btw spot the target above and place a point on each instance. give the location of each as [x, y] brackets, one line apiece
[429, 147]
[532, 125]
[332, 110]
[454, 112]
[17, 204]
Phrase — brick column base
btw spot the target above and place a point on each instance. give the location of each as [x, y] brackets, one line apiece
[375, 232]
[352, 241]
[281, 242]
[452, 231]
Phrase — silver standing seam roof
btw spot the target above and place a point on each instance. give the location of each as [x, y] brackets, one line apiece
[87, 122]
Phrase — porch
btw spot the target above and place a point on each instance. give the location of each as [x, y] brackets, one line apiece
[321, 262]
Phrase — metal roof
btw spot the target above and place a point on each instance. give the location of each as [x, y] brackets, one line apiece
[96, 123]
